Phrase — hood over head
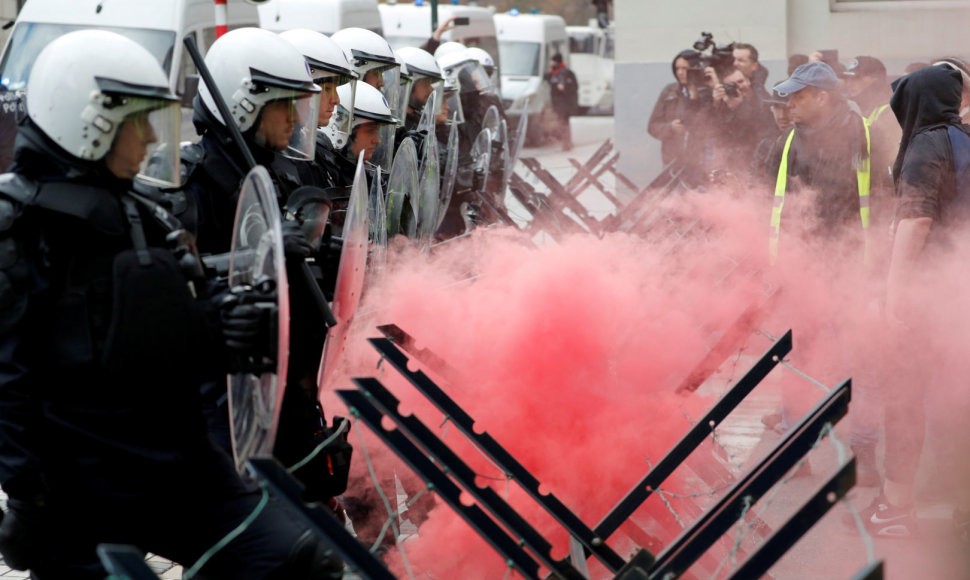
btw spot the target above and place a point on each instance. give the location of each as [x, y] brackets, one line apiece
[926, 99]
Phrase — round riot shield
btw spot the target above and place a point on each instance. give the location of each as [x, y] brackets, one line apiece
[491, 119]
[256, 262]
[516, 145]
[402, 191]
[503, 145]
[482, 157]
[450, 173]
[384, 153]
[350, 274]
[429, 206]
[378, 222]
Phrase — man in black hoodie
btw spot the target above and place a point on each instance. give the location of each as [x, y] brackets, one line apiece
[930, 206]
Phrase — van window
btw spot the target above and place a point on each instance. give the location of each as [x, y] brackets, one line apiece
[582, 43]
[520, 58]
[29, 38]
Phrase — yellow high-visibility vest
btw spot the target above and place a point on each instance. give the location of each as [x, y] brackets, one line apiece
[875, 114]
[781, 184]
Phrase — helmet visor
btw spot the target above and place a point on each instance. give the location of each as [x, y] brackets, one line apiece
[288, 125]
[403, 98]
[478, 76]
[154, 134]
[392, 89]
[451, 111]
[422, 91]
[342, 119]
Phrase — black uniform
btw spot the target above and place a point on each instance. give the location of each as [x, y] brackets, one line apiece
[213, 190]
[102, 351]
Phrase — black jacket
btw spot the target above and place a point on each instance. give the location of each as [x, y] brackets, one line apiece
[213, 187]
[926, 103]
[100, 358]
[565, 101]
[824, 160]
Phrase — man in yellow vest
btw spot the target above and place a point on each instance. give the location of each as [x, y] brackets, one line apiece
[824, 160]
[866, 84]
[826, 153]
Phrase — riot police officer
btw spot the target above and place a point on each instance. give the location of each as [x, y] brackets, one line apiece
[104, 342]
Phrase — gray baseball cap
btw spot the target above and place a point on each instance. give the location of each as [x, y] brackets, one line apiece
[811, 74]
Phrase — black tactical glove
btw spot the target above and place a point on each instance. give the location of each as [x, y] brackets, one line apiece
[295, 244]
[249, 329]
[23, 531]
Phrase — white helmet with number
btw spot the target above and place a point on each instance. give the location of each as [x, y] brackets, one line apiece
[254, 67]
[326, 59]
[87, 84]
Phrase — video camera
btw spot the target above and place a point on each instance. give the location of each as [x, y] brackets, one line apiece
[721, 58]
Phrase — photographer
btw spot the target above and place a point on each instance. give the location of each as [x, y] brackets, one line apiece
[740, 121]
[672, 119]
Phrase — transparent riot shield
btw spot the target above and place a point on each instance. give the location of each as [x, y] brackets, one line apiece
[429, 204]
[503, 150]
[378, 222]
[450, 173]
[403, 191]
[350, 275]
[256, 264]
[491, 119]
[516, 143]
[384, 153]
[482, 158]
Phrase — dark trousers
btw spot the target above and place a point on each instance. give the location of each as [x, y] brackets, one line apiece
[179, 517]
[560, 129]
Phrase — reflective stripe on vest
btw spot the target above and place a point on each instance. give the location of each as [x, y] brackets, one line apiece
[874, 115]
[781, 185]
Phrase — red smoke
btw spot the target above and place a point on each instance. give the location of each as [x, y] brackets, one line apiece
[569, 353]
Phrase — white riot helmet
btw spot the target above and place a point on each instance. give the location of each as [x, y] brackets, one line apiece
[326, 59]
[253, 68]
[468, 71]
[369, 106]
[87, 85]
[449, 47]
[373, 59]
[426, 76]
[486, 60]
[328, 64]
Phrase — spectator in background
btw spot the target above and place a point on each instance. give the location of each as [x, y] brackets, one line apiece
[565, 98]
[795, 61]
[746, 60]
[866, 83]
[783, 122]
[741, 120]
[670, 121]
